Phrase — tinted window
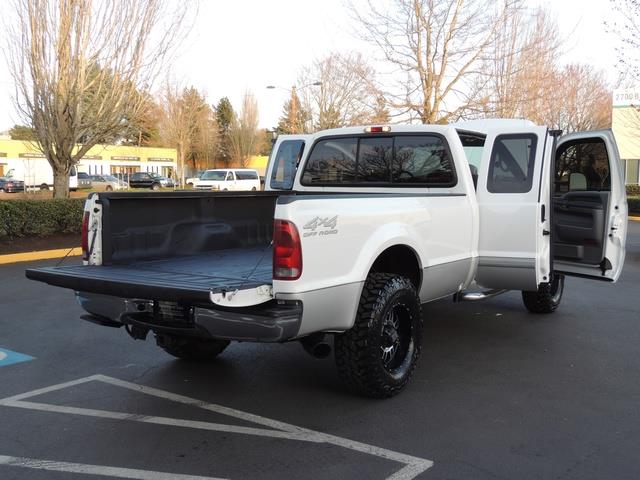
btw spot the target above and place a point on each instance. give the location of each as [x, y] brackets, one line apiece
[83, 176]
[285, 164]
[139, 176]
[332, 162]
[512, 163]
[243, 175]
[582, 165]
[422, 159]
[374, 159]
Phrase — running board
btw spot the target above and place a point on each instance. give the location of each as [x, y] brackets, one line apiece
[477, 296]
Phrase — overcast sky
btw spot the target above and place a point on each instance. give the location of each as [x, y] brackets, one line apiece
[249, 44]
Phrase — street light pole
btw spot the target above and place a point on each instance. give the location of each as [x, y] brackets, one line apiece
[293, 102]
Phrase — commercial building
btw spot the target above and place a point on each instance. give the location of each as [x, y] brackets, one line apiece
[24, 157]
[625, 123]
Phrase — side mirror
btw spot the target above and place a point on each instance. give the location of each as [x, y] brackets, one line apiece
[577, 181]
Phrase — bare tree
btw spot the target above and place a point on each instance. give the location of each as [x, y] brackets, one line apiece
[346, 95]
[243, 134]
[187, 125]
[295, 118]
[437, 47]
[522, 68]
[627, 28]
[79, 65]
[585, 100]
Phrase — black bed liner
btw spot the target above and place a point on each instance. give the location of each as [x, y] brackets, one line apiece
[187, 279]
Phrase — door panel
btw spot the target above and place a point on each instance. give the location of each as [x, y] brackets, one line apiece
[590, 215]
[514, 200]
[579, 226]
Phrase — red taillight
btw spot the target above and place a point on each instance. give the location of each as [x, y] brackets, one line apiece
[85, 236]
[287, 251]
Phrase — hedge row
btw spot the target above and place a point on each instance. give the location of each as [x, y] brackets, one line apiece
[40, 218]
[24, 218]
[633, 190]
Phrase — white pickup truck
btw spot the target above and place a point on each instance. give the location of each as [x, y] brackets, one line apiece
[358, 227]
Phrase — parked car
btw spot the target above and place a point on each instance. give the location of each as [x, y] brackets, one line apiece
[11, 185]
[84, 180]
[191, 181]
[145, 180]
[108, 182]
[358, 228]
[165, 181]
[229, 179]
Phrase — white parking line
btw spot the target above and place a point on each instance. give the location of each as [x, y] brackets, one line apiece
[413, 465]
[101, 470]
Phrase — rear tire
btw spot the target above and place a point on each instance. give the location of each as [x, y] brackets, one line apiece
[377, 356]
[191, 349]
[547, 298]
[109, 188]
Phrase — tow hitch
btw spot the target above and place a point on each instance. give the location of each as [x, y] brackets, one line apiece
[162, 317]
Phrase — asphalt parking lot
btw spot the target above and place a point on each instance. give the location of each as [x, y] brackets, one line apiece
[500, 394]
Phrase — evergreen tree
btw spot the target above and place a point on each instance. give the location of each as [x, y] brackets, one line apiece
[225, 117]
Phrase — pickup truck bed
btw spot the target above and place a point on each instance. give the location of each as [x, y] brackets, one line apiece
[191, 278]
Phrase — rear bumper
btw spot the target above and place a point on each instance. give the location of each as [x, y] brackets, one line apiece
[275, 321]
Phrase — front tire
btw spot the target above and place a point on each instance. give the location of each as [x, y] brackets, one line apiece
[548, 296]
[377, 356]
[155, 186]
[191, 349]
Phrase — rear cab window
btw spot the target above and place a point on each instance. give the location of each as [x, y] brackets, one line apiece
[401, 160]
[285, 164]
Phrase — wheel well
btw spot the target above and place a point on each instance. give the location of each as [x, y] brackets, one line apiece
[401, 260]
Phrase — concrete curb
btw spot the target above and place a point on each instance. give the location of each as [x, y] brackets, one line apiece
[40, 255]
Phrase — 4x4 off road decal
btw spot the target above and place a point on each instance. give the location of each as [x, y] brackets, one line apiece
[321, 226]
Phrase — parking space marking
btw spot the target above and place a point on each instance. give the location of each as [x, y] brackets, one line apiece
[101, 470]
[9, 357]
[413, 466]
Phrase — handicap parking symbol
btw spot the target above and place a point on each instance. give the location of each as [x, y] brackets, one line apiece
[9, 357]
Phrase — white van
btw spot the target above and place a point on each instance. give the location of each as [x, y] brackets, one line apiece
[37, 174]
[229, 179]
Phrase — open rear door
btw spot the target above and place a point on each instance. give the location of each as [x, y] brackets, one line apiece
[514, 197]
[590, 207]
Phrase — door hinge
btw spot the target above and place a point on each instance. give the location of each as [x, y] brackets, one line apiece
[546, 232]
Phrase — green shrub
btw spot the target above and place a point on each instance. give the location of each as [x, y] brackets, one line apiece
[40, 218]
[633, 190]
[634, 204]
